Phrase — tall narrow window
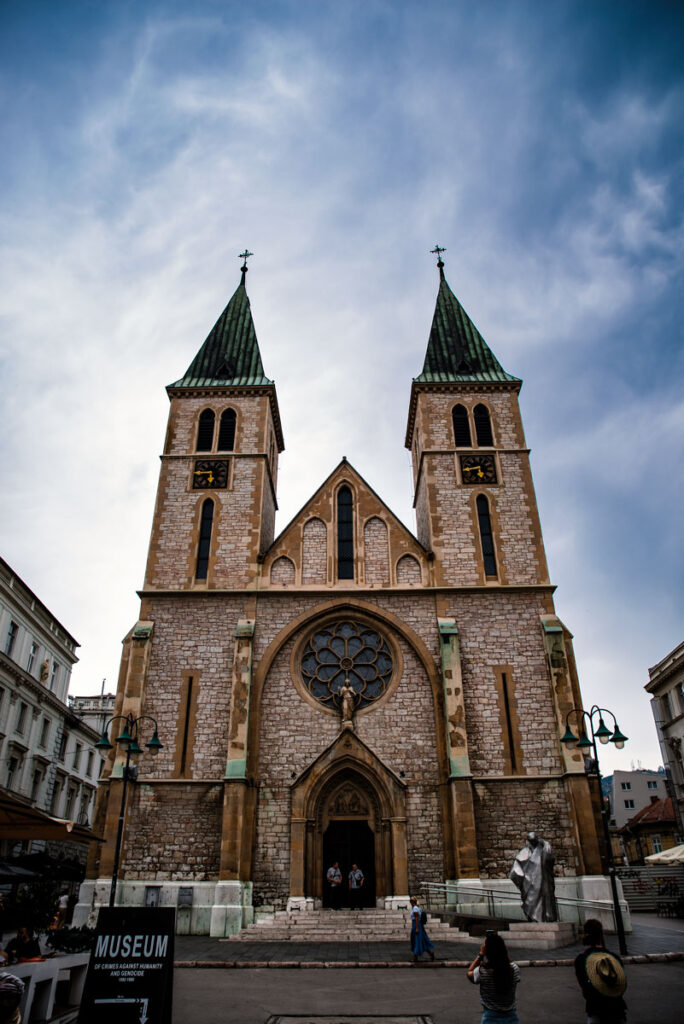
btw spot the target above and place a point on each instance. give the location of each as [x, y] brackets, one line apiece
[459, 416]
[204, 539]
[486, 537]
[186, 726]
[11, 637]
[32, 656]
[226, 441]
[509, 723]
[483, 426]
[205, 431]
[345, 534]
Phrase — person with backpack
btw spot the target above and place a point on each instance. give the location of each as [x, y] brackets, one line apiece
[420, 940]
[601, 977]
[497, 977]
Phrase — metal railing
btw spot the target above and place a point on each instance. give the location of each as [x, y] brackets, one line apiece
[440, 897]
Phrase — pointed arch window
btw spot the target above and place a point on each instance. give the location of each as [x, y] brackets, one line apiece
[205, 431]
[483, 426]
[486, 537]
[203, 548]
[226, 440]
[459, 416]
[345, 534]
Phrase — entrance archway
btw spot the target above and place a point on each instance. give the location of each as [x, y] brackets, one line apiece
[348, 837]
[348, 807]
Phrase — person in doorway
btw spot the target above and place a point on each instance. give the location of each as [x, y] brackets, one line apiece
[334, 879]
[356, 880]
[420, 940]
[601, 977]
[497, 977]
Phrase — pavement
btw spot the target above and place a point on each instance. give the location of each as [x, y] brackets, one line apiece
[653, 938]
[406, 995]
[218, 982]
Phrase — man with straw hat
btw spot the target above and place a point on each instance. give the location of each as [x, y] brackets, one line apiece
[601, 977]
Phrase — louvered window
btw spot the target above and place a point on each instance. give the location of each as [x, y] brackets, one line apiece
[226, 441]
[483, 426]
[205, 431]
[459, 416]
[345, 534]
[204, 539]
[485, 524]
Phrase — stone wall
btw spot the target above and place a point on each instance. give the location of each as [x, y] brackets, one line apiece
[173, 832]
[530, 805]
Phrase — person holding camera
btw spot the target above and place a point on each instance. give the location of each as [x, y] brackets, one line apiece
[498, 978]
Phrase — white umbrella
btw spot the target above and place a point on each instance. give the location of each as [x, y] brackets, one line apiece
[673, 856]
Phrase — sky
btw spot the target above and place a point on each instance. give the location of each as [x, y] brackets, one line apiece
[146, 144]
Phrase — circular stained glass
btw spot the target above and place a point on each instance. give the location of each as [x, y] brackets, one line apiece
[346, 649]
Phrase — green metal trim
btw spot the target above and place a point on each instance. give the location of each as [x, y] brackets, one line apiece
[142, 632]
[236, 769]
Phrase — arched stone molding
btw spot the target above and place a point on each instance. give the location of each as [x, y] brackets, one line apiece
[376, 552]
[409, 571]
[324, 611]
[314, 551]
[283, 571]
[348, 762]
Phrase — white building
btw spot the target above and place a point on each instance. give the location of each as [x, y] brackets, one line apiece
[666, 685]
[632, 791]
[94, 711]
[47, 754]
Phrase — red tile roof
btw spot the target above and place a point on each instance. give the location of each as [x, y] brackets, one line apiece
[657, 813]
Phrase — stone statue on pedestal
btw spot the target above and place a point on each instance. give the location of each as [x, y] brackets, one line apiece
[532, 873]
[347, 704]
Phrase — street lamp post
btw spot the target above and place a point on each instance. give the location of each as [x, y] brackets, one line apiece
[604, 735]
[128, 741]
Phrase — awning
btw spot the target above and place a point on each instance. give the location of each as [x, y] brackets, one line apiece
[20, 821]
[673, 856]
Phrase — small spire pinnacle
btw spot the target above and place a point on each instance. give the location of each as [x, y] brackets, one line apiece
[244, 268]
[437, 251]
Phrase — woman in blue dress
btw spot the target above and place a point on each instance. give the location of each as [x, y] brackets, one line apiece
[420, 941]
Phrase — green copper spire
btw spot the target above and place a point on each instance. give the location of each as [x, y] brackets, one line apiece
[230, 356]
[456, 350]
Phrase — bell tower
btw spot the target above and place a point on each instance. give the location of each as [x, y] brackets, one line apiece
[216, 500]
[473, 493]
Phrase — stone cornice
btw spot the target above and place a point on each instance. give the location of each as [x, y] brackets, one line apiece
[357, 592]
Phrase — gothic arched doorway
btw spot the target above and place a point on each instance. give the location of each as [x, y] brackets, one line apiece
[349, 837]
[348, 807]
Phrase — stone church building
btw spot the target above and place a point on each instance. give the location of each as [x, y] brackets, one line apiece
[458, 673]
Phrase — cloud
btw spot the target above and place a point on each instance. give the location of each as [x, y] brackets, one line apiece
[149, 150]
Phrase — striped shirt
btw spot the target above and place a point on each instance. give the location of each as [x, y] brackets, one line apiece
[493, 998]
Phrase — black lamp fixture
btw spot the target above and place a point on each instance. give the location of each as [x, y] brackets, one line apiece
[604, 735]
[128, 741]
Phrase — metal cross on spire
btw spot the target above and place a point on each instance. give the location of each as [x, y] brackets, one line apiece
[437, 251]
[244, 256]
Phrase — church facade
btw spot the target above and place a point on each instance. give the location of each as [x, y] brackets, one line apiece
[345, 691]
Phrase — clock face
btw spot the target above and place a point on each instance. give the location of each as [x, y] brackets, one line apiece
[210, 474]
[478, 469]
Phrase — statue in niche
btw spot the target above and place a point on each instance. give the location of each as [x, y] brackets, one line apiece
[532, 873]
[347, 704]
[44, 671]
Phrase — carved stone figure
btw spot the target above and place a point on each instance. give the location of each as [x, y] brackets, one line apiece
[347, 704]
[44, 671]
[532, 873]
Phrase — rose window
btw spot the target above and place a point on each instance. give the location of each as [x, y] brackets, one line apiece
[346, 650]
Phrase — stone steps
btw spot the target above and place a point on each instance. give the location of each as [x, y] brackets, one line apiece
[342, 926]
